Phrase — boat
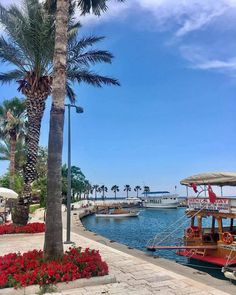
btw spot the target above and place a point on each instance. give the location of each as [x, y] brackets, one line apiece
[221, 213]
[117, 213]
[160, 200]
[211, 234]
[133, 200]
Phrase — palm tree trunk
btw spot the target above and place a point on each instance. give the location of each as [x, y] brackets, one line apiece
[53, 246]
[12, 160]
[35, 110]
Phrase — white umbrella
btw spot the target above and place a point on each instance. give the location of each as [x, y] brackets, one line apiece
[7, 193]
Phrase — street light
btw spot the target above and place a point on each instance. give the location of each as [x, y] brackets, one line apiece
[79, 110]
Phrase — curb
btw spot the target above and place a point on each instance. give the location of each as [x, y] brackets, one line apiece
[80, 283]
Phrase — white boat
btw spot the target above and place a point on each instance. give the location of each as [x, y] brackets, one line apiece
[160, 200]
[134, 200]
[118, 213]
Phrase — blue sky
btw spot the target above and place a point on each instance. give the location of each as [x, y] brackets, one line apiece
[174, 114]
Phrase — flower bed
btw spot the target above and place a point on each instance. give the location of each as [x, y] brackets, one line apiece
[32, 228]
[21, 270]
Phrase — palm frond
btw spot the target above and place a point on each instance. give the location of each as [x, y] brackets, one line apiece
[11, 76]
[70, 93]
[90, 78]
[85, 42]
[31, 32]
[10, 53]
[90, 57]
[4, 150]
[96, 6]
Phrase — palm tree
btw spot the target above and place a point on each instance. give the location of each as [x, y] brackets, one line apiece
[127, 189]
[12, 128]
[53, 248]
[29, 48]
[87, 189]
[136, 189]
[19, 153]
[115, 189]
[146, 189]
[95, 188]
[103, 189]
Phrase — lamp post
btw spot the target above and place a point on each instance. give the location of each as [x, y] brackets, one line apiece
[79, 110]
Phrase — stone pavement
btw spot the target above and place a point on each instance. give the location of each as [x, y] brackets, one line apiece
[134, 275]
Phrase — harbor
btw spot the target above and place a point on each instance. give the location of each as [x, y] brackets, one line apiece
[135, 272]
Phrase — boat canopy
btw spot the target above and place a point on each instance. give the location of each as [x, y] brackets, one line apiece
[213, 178]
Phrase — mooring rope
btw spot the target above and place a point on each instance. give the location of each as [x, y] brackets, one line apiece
[156, 236]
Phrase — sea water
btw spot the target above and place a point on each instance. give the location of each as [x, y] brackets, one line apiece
[166, 225]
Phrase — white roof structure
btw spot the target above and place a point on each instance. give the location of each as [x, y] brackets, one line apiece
[212, 178]
[7, 193]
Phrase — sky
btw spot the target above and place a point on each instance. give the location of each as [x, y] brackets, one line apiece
[174, 114]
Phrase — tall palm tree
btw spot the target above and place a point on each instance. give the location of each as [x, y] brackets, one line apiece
[146, 189]
[136, 189]
[12, 128]
[127, 189]
[95, 188]
[87, 189]
[53, 246]
[29, 47]
[115, 189]
[103, 189]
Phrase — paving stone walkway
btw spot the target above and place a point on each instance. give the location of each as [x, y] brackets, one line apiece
[134, 275]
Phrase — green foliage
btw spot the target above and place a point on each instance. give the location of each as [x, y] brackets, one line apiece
[18, 182]
[33, 208]
[79, 184]
[47, 289]
[20, 153]
[28, 45]
[42, 159]
[5, 180]
[39, 188]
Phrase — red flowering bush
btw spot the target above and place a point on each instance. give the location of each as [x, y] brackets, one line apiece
[30, 228]
[21, 270]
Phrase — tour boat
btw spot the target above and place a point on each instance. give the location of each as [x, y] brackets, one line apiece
[118, 213]
[160, 200]
[211, 234]
[219, 239]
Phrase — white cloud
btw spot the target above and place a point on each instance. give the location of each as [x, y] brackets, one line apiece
[185, 15]
[218, 64]
[200, 58]
[182, 19]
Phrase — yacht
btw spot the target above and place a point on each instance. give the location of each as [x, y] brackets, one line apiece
[160, 200]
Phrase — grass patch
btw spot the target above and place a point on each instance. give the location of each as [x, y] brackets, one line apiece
[33, 208]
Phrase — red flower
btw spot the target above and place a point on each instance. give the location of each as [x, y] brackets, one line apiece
[21, 270]
[35, 227]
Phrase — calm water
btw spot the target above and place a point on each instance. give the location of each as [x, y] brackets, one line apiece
[136, 232]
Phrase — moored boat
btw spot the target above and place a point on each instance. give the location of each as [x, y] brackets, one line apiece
[117, 213]
[160, 200]
[221, 213]
[211, 235]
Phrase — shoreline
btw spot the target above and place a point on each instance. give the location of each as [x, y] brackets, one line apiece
[191, 273]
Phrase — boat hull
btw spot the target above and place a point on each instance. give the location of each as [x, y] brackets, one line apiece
[216, 260]
[133, 214]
